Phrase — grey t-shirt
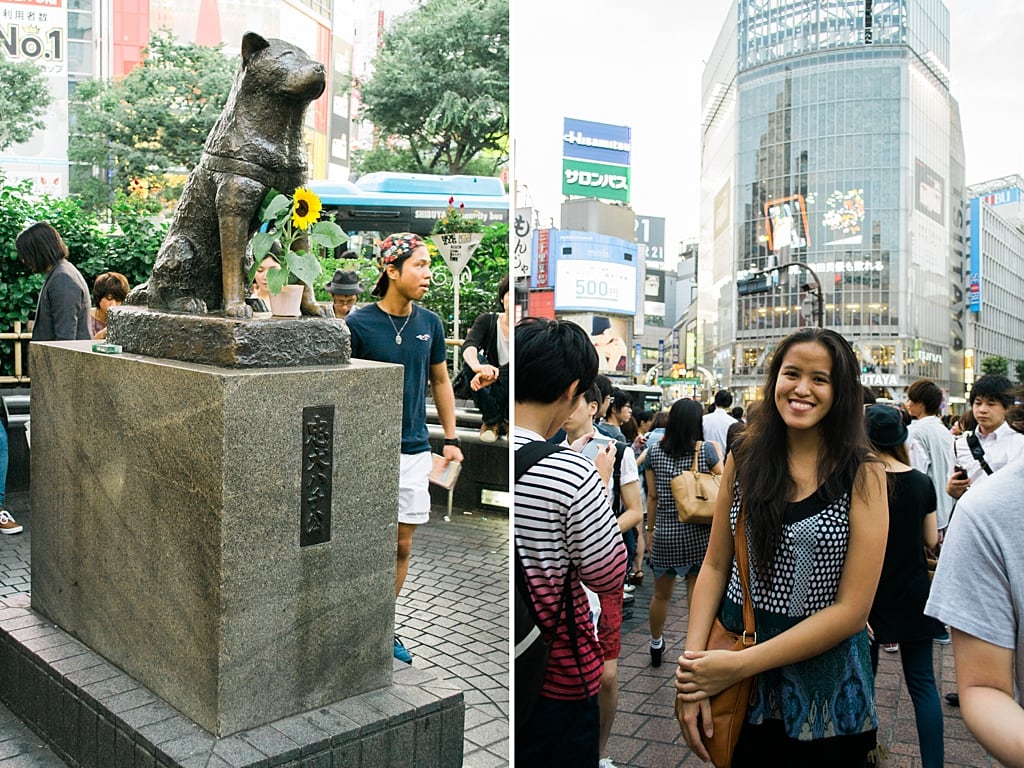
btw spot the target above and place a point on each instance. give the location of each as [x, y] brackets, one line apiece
[979, 582]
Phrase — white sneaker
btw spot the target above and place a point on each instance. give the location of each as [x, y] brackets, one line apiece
[605, 762]
[629, 588]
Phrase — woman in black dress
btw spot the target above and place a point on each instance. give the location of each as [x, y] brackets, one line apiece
[897, 614]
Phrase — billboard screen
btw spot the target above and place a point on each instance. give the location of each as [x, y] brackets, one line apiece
[595, 273]
[786, 223]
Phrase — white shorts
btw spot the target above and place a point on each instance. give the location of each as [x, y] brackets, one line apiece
[413, 490]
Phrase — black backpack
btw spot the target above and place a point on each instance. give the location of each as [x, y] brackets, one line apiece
[532, 640]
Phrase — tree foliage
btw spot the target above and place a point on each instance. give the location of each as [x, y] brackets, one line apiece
[440, 84]
[1020, 372]
[150, 123]
[128, 245]
[24, 99]
[996, 365]
[478, 290]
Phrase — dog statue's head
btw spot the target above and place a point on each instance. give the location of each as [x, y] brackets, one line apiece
[280, 67]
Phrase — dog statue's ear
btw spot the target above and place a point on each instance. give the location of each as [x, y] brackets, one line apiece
[251, 45]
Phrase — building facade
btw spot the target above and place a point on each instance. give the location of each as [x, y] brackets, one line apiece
[833, 173]
[995, 317]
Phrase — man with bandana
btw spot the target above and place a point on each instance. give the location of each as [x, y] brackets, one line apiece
[397, 330]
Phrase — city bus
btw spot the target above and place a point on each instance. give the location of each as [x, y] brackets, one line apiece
[384, 202]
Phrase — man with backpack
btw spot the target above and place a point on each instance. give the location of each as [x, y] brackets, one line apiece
[565, 537]
[627, 506]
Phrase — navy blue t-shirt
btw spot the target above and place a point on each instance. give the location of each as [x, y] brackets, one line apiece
[373, 338]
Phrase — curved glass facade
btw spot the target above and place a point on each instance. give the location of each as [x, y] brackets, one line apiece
[843, 162]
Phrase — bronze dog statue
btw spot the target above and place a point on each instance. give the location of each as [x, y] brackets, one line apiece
[255, 145]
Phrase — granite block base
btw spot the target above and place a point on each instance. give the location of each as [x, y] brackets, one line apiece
[226, 537]
[93, 715]
[230, 342]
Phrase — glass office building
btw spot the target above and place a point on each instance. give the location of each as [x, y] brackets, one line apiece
[832, 190]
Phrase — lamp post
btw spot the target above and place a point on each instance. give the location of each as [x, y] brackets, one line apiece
[758, 283]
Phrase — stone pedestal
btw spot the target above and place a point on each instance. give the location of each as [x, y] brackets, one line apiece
[170, 505]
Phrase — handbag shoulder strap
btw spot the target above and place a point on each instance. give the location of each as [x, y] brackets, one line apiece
[696, 456]
[743, 564]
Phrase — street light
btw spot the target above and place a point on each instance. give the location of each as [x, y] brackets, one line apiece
[758, 283]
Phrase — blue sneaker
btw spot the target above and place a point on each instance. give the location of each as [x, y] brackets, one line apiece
[401, 653]
[943, 639]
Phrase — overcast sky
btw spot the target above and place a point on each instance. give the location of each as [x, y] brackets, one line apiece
[640, 64]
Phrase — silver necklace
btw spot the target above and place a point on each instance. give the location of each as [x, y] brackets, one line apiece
[398, 331]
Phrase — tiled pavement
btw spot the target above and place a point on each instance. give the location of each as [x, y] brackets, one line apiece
[453, 616]
[646, 735]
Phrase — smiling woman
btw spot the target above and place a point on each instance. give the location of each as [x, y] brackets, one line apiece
[813, 503]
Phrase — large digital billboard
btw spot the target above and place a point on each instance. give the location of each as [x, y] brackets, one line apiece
[592, 273]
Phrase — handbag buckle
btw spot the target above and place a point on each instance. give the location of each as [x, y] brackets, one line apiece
[749, 639]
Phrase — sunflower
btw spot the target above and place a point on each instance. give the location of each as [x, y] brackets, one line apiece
[305, 208]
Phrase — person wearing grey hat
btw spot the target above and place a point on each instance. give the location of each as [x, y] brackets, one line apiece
[344, 289]
[897, 615]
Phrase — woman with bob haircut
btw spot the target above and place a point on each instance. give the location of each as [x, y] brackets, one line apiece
[813, 501]
[108, 290]
[677, 549]
[62, 312]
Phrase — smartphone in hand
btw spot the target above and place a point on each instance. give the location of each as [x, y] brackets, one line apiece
[959, 472]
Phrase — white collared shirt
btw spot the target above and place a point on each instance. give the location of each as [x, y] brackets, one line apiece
[1001, 447]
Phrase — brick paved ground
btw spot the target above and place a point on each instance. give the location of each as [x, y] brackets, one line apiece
[646, 734]
[453, 615]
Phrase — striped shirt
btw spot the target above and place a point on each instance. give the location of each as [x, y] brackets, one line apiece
[563, 518]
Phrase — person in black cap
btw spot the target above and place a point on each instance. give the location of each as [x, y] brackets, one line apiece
[897, 613]
[344, 289]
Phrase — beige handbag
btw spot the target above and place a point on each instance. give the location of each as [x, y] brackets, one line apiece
[695, 492]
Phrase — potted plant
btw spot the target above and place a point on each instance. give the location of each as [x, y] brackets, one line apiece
[294, 234]
[456, 236]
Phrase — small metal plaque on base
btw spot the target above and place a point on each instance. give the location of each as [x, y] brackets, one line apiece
[317, 474]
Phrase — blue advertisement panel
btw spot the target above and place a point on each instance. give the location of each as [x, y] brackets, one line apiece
[594, 273]
[1002, 196]
[974, 280]
[598, 142]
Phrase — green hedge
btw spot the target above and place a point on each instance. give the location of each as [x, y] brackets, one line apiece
[129, 244]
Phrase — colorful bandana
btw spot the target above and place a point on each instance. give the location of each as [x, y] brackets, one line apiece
[397, 247]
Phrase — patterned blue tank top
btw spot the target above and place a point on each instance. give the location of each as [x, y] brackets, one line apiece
[831, 694]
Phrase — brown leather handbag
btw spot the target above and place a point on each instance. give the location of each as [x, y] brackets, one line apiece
[729, 707]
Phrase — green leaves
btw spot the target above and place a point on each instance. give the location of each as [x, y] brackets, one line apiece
[301, 249]
[24, 99]
[440, 84]
[152, 122]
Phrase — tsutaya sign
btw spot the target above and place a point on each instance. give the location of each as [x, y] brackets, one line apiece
[879, 379]
[595, 160]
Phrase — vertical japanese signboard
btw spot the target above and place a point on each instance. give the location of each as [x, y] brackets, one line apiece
[36, 31]
[522, 242]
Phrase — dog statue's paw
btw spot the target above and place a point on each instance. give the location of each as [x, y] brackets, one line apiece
[238, 309]
[189, 305]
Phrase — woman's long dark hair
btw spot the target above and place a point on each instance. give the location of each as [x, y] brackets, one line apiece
[685, 428]
[762, 457]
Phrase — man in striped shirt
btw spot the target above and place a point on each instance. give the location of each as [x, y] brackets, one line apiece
[564, 528]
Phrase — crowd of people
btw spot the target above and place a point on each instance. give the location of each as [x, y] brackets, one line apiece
[869, 526]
